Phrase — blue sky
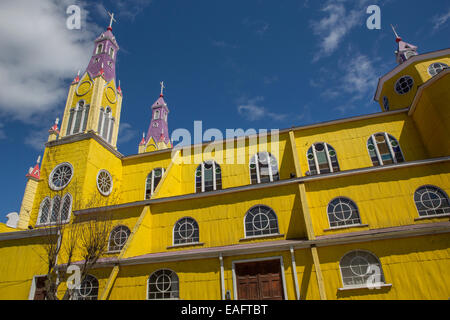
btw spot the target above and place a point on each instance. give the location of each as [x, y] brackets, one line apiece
[232, 64]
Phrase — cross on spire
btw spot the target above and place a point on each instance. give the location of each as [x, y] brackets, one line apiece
[112, 20]
[162, 88]
[398, 39]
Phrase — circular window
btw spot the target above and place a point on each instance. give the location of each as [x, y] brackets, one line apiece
[386, 104]
[118, 238]
[60, 176]
[88, 289]
[404, 85]
[104, 182]
[437, 67]
[163, 284]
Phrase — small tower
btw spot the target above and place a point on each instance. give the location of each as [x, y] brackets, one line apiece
[33, 176]
[53, 133]
[94, 102]
[157, 137]
[405, 50]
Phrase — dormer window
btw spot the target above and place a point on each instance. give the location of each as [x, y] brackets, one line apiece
[99, 49]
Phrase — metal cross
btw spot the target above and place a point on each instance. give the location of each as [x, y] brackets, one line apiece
[112, 19]
[395, 32]
[162, 87]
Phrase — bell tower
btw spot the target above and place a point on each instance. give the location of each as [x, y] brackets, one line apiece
[94, 102]
[405, 50]
[157, 137]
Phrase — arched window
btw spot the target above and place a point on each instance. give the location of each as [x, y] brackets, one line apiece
[99, 48]
[208, 177]
[111, 52]
[186, 231]
[361, 269]
[106, 124]
[118, 237]
[44, 211]
[431, 201]
[343, 212]
[163, 284]
[152, 181]
[384, 149]
[55, 211]
[157, 115]
[88, 289]
[322, 159]
[78, 117]
[260, 220]
[263, 168]
[437, 67]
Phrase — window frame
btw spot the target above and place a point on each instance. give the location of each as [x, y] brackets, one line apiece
[152, 183]
[446, 66]
[261, 235]
[202, 172]
[111, 234]
[73, 114]
[258, 169]
[399, 79]
[174, 229]
[346, 225]
[435, 215]
[59, 220]
[147, 288]
[50, 177]
[316, 161]
[106, 194]
[391, 148]
[77, 290]
[346, 286]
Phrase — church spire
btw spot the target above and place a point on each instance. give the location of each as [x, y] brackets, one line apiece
[157, 137]
[103, 60]
[405, 50]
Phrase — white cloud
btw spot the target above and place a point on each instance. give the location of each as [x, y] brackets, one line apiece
[337, 23]
[126, 133]
[38, 53]
[252, 111]
[440, 20]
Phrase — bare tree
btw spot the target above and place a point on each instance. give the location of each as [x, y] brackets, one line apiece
[82, 237]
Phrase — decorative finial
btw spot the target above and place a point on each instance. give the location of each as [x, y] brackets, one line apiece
[111, 21]
[162, 88]
[397, 37]
[38, 160]
[57, 121]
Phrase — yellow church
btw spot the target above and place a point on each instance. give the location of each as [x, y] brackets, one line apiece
[354, 208]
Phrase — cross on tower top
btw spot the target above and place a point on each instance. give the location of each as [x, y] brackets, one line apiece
[162, 88]
[397, 37]
[112, 20]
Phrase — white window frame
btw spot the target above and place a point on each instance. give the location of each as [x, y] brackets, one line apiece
[100, 48]
[148, 283]
[98, 186]
[50, 182]
[391, 150]
[264, 235]
[48, 222]
[203, 175]
[111, 52]
[258, 176]
[344, 286]
[330, 165]
[186, 243]
[152, 186]
[110, 235]
[438, 62]
[434, 215]
[346, 225]
[32, 291]
[75, 111]
[157, 115]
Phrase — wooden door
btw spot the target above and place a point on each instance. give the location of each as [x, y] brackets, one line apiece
[40, 293]
[259, 280]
